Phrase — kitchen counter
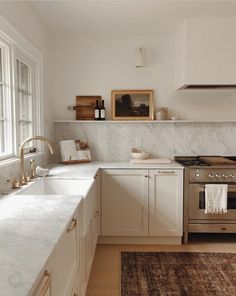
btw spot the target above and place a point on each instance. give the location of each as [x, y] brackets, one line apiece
[31, 225]
[89, 170]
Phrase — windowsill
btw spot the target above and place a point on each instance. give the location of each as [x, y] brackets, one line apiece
[14, 160]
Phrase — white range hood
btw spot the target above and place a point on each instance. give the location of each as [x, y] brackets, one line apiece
[206, 54]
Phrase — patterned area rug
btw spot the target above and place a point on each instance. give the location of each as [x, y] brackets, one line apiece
[178, 274]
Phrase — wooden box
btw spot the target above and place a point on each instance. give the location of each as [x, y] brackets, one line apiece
[85, 106]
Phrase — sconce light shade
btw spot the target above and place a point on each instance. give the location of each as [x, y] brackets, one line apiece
[140, 58]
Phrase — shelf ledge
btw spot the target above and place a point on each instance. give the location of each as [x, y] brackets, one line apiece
[144, 121]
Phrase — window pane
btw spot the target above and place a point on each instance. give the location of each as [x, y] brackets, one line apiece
[1, 122]
[24, 101]
[0, 65]
[1, 102]
[23, 71]
[2, 136]
[25, 131]
[24, 106]
[2, 145]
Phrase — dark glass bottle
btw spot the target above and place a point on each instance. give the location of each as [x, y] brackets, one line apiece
[102, 111]
[97, 111]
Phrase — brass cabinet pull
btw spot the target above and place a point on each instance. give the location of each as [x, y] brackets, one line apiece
[46, 285]
[72, 225]
[97, 213]
[166, 172]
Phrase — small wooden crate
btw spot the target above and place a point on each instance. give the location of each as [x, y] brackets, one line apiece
[85, 106]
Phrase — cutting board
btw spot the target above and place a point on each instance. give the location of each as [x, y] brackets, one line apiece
[151, 160]
[85, 106]
[217, 160]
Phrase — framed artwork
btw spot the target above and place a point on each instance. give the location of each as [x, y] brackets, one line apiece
[132, 104]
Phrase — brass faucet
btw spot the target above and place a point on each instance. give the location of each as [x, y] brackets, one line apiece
[21, 154]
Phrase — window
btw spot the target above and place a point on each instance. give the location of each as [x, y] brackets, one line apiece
[19, 97]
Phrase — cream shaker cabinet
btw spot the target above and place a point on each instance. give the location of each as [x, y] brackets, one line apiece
[142, 202]
[66, 258]
[125, 202]
[165, 202]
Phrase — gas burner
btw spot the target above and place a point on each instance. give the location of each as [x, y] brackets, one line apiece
[194, 163]
[191, 161]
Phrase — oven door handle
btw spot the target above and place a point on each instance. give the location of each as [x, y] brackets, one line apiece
[229, 186]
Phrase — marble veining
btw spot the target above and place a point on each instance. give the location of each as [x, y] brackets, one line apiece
[113, 141]
[30, 227]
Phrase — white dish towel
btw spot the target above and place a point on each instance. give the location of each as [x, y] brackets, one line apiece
[216, 198]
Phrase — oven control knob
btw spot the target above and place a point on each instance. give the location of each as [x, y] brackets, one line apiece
[224, 176]
[231, 175]
[217, 175]
[211, 176]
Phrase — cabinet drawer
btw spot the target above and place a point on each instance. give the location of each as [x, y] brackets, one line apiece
[217, 228]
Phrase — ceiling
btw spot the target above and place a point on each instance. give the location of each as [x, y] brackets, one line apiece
[131, 18]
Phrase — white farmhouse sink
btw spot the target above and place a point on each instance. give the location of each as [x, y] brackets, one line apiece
[67, 187]
[57, 187]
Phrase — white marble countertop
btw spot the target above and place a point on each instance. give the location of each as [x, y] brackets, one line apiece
[89, 170]
[30, 227]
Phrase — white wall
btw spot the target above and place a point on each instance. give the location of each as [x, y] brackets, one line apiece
[26, 22]
[95, 66]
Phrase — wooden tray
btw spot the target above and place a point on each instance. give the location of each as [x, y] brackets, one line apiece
[75, 161]
[85, 106]
[217, 160]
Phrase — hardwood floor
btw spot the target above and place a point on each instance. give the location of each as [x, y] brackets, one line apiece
[105, 275]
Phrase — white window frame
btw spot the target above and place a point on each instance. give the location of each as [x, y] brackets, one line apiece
[8, 99]
[22, 49]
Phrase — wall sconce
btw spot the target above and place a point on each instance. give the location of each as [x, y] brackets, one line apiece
[140, 58]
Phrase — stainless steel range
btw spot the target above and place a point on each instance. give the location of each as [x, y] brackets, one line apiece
[198, 172]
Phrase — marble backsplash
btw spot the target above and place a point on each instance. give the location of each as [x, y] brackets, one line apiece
[114, 140]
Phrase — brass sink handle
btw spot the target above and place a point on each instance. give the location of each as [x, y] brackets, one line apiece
[32, 172]
[14, 183]
[27, 178]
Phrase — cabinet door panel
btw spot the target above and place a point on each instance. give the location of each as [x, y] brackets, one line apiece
[88, 253]
[125, 202]
[90, 206]
[165, 202]
[66, 259]
[45, 284]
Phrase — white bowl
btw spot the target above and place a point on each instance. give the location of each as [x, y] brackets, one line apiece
[139, 155]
